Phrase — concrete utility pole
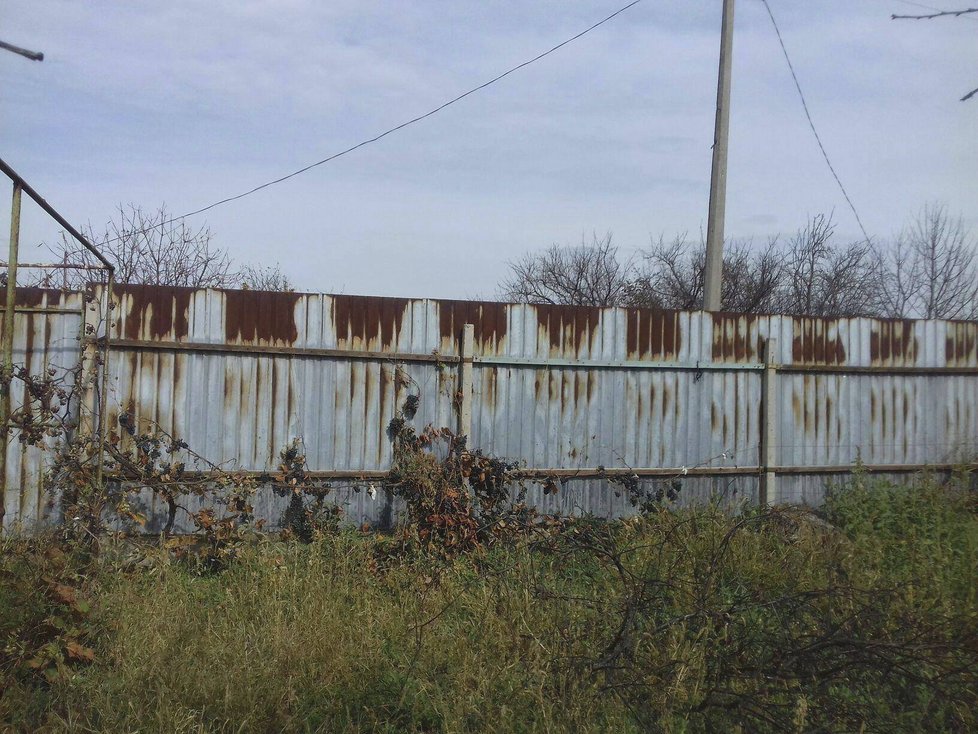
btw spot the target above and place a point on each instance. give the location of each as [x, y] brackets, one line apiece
[718, 179]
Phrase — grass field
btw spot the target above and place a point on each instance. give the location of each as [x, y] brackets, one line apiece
[862, 619]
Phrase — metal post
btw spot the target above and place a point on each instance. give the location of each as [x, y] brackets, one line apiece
[465, 383]
[718, 179]
[104, 385]
[89, 368]
[7, 364]
[768, 456]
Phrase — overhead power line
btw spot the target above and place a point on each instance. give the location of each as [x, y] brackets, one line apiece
[811, 123]
[389, 131]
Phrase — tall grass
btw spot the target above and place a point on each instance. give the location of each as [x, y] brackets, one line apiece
[678, 621]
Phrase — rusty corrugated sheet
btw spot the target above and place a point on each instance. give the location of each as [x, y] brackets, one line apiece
[556, 387]
[47, 327]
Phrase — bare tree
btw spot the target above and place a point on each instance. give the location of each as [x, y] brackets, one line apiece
[145, 247]
[591, 274]
[671, 276]
[264, 278]
[895, 280]
[822, 279]
[932, 272]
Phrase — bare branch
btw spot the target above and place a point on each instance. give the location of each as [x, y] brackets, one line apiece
[967, 12]
[588, 275]
[672, 276]
[148, 248]
[941, 14]
[265, 278]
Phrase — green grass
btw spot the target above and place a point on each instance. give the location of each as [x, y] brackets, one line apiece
[691, 621]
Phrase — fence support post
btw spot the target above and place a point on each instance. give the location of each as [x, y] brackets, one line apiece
[465, 383]
[89, 368]
[768, 457]
[7, 365]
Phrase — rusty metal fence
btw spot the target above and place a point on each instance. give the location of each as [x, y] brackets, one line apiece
[46, 332]
[753, 408]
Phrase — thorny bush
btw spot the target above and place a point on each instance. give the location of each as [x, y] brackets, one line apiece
[458, 499]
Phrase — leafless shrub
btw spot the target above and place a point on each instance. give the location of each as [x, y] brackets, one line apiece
[824, 279]
[265, 278]
[146, 247]
[808, 274]
[589, 275]
[671, 276]
[932, 270]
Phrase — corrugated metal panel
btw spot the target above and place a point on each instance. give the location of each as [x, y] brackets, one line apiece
[46, 336]
[239, 374]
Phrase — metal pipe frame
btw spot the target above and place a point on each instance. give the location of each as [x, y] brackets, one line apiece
[20, 186]
[354, 354]
[53, 213]
[532, 474]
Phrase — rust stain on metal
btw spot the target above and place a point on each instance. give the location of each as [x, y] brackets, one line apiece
[48, 334]
[808, 407]
[489, 389]
[892, 341]
[592, 384]
[817, 341]
[567, 327]
[271, 450]
[736, 338]
[291, 395]
[961, 345]
[652, 334]
[829, 408]
[228, 385]
[177, 370]
[360, 321]
[260, 317]
[368, 381]
[36, 297]
[29, 346]
[883, 412]
[582, 387]
[385, 381]
[155, 312]
[489, 319]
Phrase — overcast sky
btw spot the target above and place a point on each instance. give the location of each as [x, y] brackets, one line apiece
[188, 102]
